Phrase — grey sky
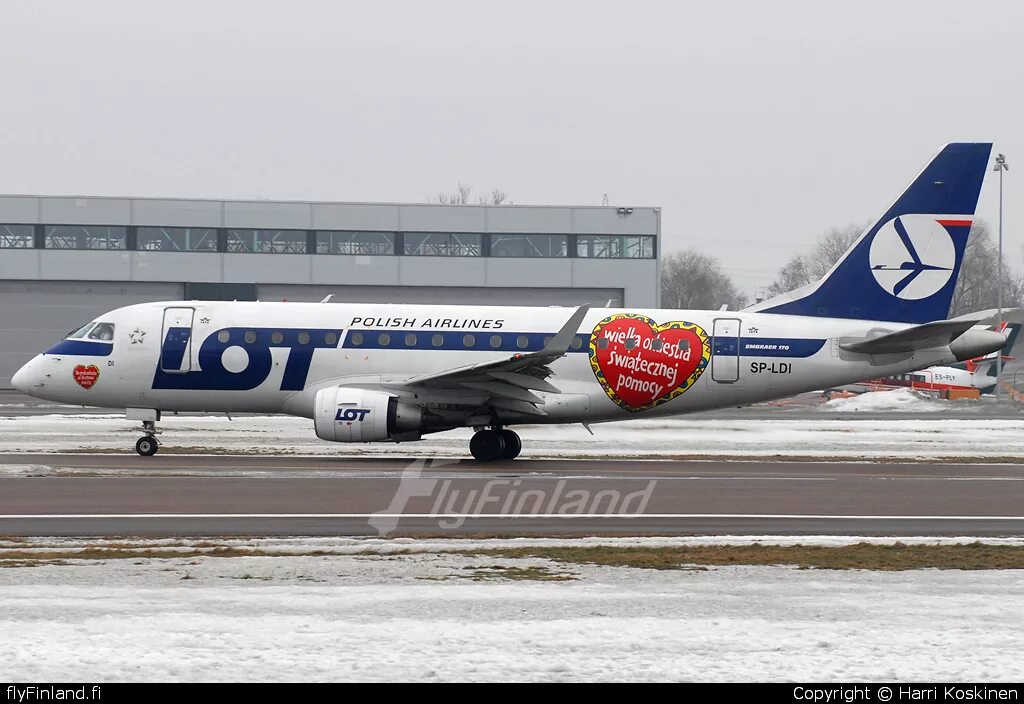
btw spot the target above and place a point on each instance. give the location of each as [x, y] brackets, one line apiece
[755, 126]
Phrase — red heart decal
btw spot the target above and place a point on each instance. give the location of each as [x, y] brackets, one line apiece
[641, 364]
[86, 376]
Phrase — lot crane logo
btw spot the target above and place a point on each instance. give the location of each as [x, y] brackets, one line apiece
[641, 364]
[86, 376]
[913, 257]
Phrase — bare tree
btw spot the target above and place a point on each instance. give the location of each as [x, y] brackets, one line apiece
[459, 197]
[803, 269]
[692, 280]
[976, 289]
[978, 285]
[462, 193]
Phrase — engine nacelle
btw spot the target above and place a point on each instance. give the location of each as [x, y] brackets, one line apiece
[344, 414]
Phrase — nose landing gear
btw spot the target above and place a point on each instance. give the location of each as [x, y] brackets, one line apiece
[147, 445]
[495, 444]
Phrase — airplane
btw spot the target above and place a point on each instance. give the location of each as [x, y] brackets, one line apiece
[977, 373]
[396, 373]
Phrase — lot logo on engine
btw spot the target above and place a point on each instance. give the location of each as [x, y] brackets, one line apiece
[351, 414]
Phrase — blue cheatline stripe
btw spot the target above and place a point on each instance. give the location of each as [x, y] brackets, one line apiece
[503, 341]
[82, 348]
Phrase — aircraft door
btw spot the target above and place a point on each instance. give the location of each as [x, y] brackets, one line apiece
[176, 340]
[725, 346]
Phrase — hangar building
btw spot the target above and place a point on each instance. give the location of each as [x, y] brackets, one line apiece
[65, 260]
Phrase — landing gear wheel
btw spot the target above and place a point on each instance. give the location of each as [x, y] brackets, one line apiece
[513, 445]
[146, 446]
[487, 445]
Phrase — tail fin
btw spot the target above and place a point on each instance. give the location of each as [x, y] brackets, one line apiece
[904, 267]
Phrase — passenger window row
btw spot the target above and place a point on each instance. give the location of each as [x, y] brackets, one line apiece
[277, 337]
[469, 341]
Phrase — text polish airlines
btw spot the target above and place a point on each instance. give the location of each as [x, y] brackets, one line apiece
[394, 373]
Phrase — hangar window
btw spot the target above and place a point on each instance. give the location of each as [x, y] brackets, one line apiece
[443, 244]
[177, 239]
[365, 243]
[384, 339]
[469, 341]
[267, 241]
[410, 340]
[304, 338]
[223, 336]
[250, 336]
[357, 338]
[85, 237]
[529, 245]
[437, 340]
[17, 236]
[615, 246]
[495, 341]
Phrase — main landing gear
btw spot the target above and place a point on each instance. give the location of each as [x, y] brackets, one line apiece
[495, 444]
[147, 445]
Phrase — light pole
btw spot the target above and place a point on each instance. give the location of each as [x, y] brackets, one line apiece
[1000, 166]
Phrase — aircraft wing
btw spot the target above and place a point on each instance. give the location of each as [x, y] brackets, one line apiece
[507, 383]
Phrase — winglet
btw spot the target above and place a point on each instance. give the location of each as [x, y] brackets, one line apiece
[559, 344]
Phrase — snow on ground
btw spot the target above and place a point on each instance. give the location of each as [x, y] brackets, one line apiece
[422, 616]
[895, 400]
[821, 436]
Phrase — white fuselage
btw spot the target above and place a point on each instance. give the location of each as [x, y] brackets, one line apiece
[274, 357]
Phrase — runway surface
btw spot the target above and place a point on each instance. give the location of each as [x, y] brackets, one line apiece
[168, 495]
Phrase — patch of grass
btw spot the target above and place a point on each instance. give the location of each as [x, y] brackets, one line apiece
[861, 556]
[128, 552]
[533, 573]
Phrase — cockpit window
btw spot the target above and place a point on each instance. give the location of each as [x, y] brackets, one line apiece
[103, 332]
[80, 332]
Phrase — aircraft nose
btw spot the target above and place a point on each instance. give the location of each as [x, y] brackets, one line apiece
[24, 378]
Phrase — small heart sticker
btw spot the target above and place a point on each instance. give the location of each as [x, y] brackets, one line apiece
[86, 376]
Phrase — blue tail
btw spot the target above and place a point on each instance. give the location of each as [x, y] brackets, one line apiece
[904, 267]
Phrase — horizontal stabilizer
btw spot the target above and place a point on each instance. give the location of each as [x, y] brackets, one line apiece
[919, 337]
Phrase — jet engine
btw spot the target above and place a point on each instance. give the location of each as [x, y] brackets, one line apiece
[344, 414]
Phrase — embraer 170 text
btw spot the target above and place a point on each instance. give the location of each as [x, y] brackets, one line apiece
[394, 373]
